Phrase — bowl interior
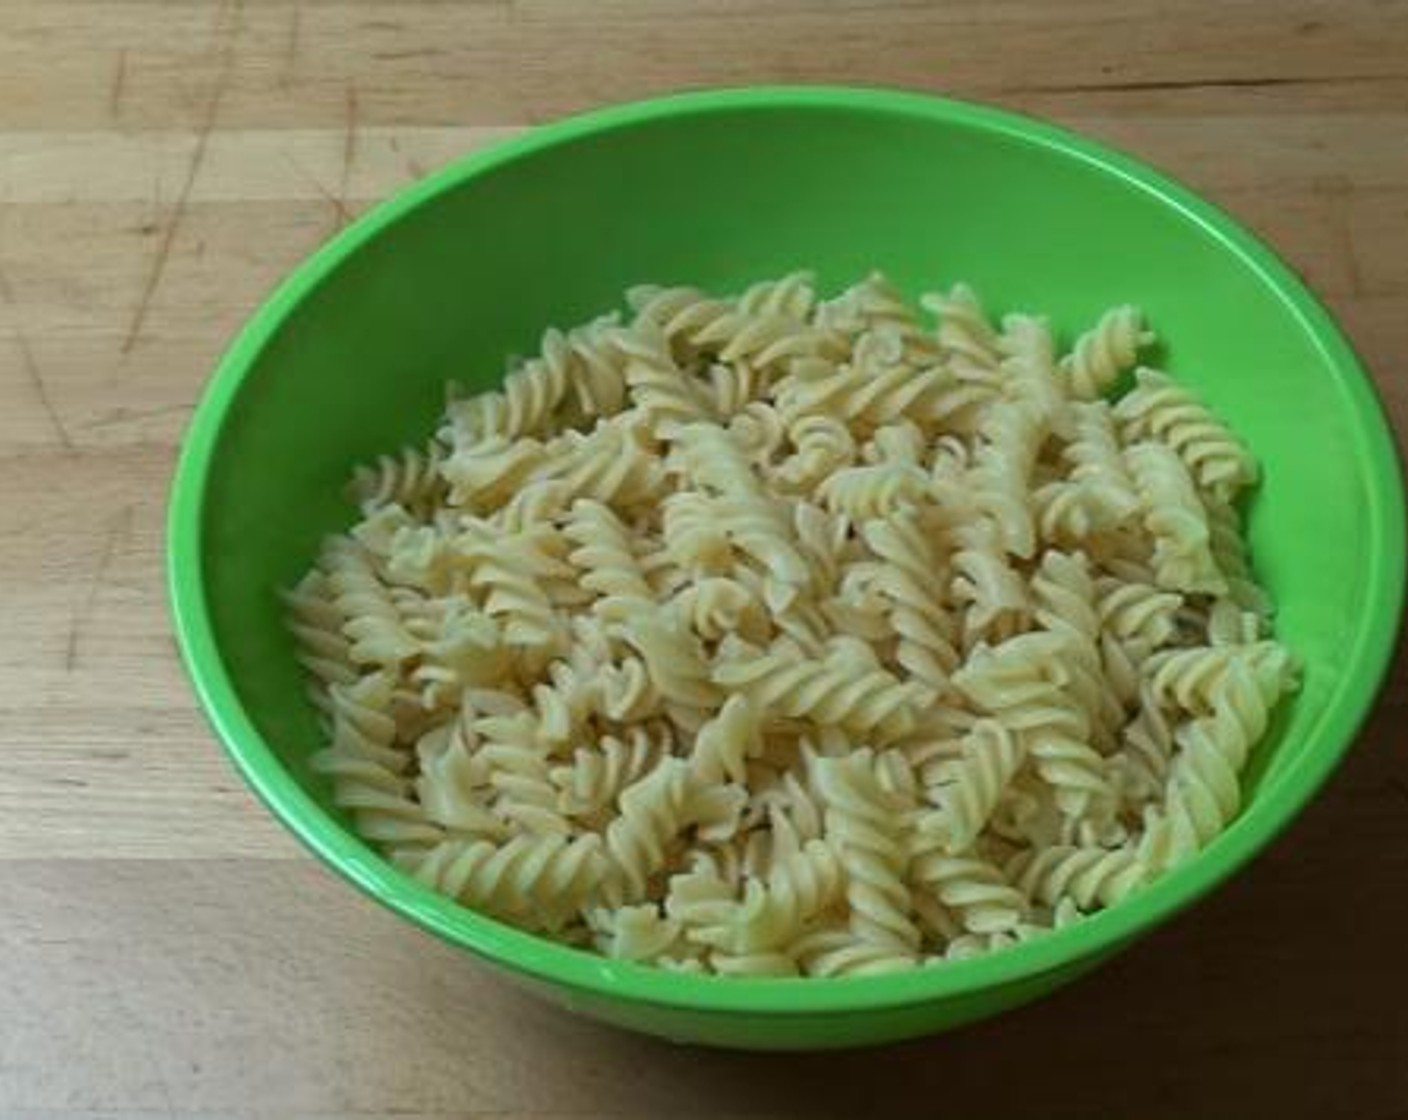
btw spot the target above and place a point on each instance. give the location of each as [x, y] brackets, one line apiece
[719, 193]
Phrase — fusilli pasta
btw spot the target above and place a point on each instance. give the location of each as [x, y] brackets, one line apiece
[779, 635]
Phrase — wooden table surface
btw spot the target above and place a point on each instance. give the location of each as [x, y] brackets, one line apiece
[166, 950]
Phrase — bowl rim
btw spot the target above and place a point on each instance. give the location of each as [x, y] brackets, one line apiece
[1364, 666]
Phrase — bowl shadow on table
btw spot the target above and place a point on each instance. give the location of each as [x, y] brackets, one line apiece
[1279, 995]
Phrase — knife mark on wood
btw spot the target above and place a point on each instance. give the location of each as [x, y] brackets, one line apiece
[31, 366]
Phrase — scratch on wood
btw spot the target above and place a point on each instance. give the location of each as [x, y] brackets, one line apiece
[295, 34]
[122, 415]
[183, 197]
[1340, 216]
[1334, 191]
[340, 210]
[190, 102]
[349, 150]
[119, 83]
[117, 532]
[413, 165]
[31, 366]
[1204, 83]
[406, 53]
[342, 215]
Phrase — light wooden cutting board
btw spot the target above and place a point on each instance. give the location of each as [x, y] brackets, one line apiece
[165, 950]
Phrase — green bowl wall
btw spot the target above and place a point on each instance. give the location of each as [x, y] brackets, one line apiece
[349, 359]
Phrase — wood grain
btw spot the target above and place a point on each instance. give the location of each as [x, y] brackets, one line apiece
[165, 949]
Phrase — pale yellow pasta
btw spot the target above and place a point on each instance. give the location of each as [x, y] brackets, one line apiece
[995, 598]
[975, 893]
[845, 688]
[866, 822]
[634, 933]
[776, 908]
[605, 557]
[1104, 352]
[1159, 408]
[775, 635]
[1176, 519]
[1026, 683]
[412, 479]
[590, 783]
[963, 330]
[967, 787]
[324, 650]
[368, 771]
[1029, 367]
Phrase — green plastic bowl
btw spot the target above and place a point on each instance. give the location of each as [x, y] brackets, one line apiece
[348, 358]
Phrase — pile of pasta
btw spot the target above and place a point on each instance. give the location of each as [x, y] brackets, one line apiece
[776, 635]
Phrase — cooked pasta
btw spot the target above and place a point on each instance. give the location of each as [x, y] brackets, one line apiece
[783, 636]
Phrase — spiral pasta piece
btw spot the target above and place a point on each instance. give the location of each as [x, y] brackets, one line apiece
[862, 493]
[1087, 877]
[974, 891]
[1176, 520]
[1022, 683]
[411, 480]
[1001, 474]
[676, 665]
[862, 819]
[590, 783]
[792, 296]
[654, 812]
[1066, 605]
[316, 624]
[966, 789]
[964, 332]
[517, 758]
[663, 394]
[1030, 366]
[822, 444]
[635, 933]
[996, 599]
[868, 398]
[723, 746]
[599, 383]
[1229, 552]
[835, 951]
[776, 910]
[911, 581]
[531, 393]
[507, 571]
[1093, 452]
[842, 688]
[876, 305]
[461, 647]
[606, 558]
[609, 465]
[372, 620]
[366, 768]
[696, 539]
[537, 881]
[1104, 352]
[1137, 612]
[1160, 409]
[1189, 678]
[485, 474]
[1146, 750]
[752, 520]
